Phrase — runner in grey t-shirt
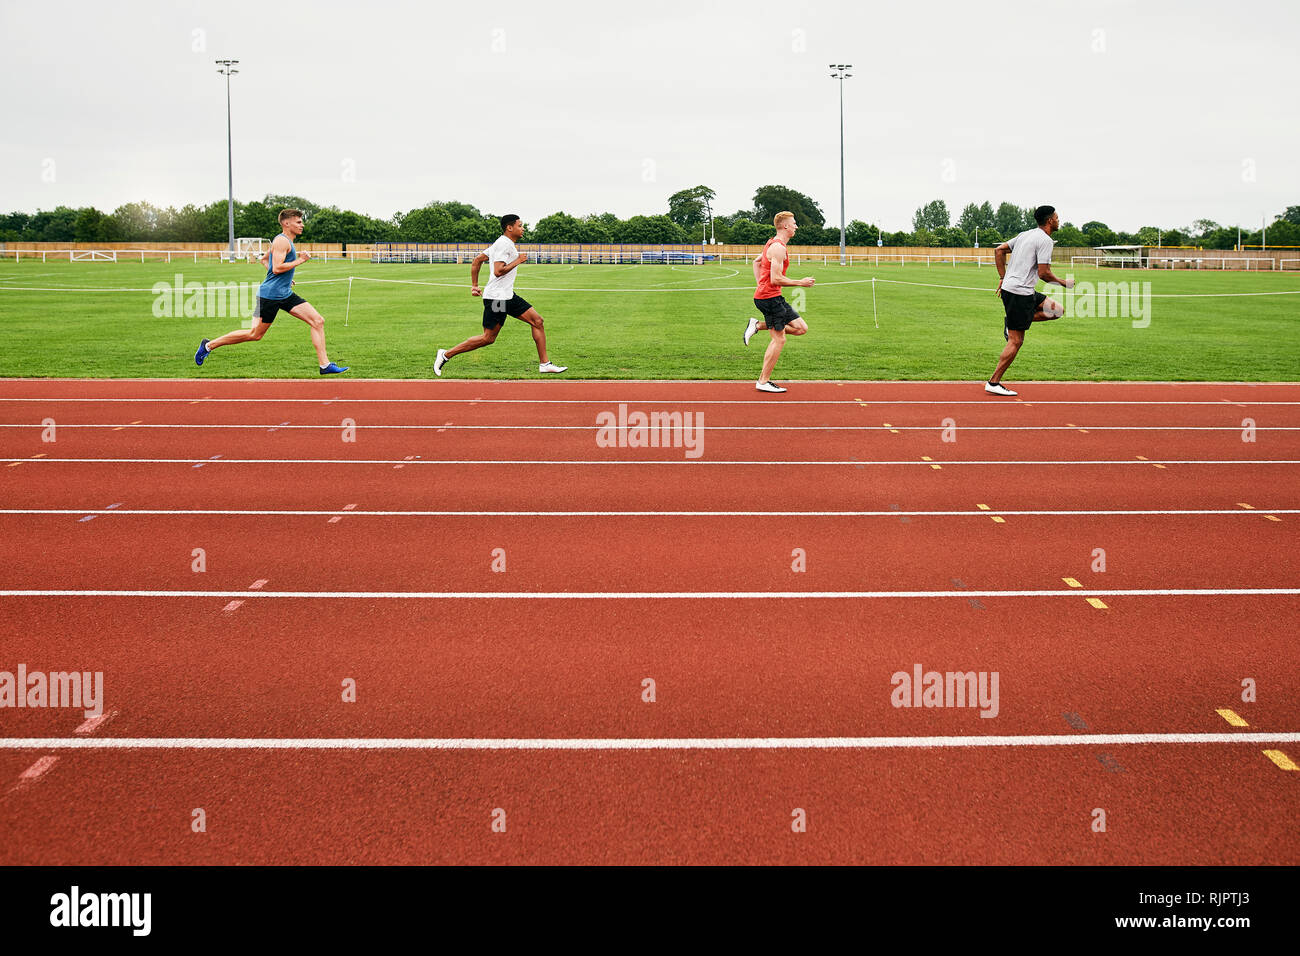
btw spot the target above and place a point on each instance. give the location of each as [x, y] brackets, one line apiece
[1031, 260]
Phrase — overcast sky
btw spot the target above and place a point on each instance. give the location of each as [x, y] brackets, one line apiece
[1134, 113]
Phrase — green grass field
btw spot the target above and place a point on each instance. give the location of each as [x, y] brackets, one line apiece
[652, 322]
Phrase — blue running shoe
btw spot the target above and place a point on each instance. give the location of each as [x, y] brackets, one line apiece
[202, 353]
[333, 369]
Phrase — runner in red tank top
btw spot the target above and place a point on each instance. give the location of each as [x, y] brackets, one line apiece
[778, 316]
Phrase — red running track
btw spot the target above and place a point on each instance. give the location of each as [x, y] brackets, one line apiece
[238, 667]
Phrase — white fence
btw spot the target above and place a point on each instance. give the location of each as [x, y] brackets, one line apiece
[1186, 261]
[667, 257]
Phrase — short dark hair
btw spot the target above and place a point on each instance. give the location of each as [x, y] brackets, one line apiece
[1043, 213]
[508, 220]
[290, 214]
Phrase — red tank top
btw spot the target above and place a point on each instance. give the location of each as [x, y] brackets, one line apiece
[766, 290]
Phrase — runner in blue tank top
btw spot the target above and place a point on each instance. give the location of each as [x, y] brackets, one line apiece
[276, 294]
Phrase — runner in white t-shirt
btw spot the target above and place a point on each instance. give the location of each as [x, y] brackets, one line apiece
[499, 298]
[1031, 260]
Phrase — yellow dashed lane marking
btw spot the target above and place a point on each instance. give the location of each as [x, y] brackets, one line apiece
[1231, 717]
[1242, 504]
[982, 507]
[1143, 458]
[1272, 517]
[997, 520]
[1072, 582]
[1281, 759]
[1097, 603]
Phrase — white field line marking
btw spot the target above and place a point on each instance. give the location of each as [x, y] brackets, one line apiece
[632, 743]
[672, 402]
[660, 595]
[742, 288]
[285, 426]
[632, 461]
[660, 285]
[266, 512]
[1154, 295]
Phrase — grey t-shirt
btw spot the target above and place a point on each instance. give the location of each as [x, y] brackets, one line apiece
[1028, 250]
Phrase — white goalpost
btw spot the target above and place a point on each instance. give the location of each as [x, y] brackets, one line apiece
[250, 247]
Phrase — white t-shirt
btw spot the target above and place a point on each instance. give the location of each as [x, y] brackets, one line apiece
[1028, 250]
[501, 287]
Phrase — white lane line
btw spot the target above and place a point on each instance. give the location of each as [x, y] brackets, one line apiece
[632, 743]
[902, 383]
[242, 513]
[658, 595]
[236, 605]
[339, 516]
[673, 402]
[285, 426]
[107, 509]
[43, 765]
[638, 461]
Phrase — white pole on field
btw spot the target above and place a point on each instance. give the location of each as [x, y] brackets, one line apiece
[349, 309]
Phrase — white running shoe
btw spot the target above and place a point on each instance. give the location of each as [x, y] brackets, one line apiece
[439, 362]
[769, 387]
[552, 367]
[997, 388]
[750, 328]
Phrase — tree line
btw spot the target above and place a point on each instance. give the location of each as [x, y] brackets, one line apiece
[690, 218]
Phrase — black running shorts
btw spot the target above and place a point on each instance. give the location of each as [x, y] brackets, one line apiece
[496, 310]
[1020, 309]
[777, 312]
[267, 308]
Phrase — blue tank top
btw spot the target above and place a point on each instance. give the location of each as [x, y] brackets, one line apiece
[278, 286]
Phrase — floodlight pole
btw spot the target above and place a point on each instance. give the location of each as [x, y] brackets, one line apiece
[226, 68]
[840, 73]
